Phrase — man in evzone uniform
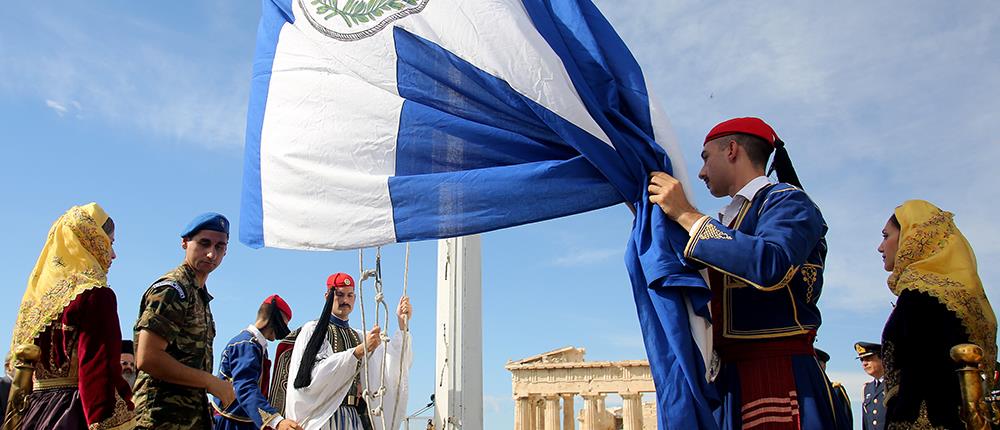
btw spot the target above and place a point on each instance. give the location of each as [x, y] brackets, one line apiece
[764, 256]
[319, 374]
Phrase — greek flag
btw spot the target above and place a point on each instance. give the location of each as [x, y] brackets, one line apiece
[381, 121]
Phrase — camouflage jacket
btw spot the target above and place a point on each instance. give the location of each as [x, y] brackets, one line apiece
[177, 310]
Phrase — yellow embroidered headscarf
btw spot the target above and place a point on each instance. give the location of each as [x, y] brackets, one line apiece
[75, 258]
[936, 259]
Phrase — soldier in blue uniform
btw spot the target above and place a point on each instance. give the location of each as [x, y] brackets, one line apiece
[873, 406]
[245, 363]
[764, 256]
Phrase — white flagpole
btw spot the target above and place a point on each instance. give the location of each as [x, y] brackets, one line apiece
[458, 391]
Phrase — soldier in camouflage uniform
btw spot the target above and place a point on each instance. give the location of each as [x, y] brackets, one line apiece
[174, 335]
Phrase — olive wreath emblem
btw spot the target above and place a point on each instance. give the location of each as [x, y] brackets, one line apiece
[358, 13]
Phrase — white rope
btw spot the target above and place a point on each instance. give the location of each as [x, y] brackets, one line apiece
[406, 333]
[381, 309]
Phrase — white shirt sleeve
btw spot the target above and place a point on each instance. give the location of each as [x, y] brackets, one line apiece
[273, 423]
[399, 358]
[697, 225]
[332, 378]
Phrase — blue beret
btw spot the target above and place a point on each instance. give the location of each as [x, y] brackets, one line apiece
[207, 221]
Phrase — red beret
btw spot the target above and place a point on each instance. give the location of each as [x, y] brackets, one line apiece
[339, 280]
[282, 306]
[752, 126]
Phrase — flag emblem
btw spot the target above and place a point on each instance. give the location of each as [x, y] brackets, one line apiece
[351, 20]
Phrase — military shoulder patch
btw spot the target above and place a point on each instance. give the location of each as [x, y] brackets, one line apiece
[172, 284]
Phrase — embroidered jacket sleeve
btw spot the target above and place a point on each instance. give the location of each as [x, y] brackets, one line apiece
[788, 229]
[246, 359]
[95, 314]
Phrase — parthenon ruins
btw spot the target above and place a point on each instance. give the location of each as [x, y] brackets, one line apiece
[546, 385]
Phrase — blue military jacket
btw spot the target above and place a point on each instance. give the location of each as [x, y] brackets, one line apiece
[771, 264]
[873, 407]
[243, 363]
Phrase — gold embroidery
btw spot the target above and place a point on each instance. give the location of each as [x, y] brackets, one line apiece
[921, 423]
[710, 231]
[936, 259]
[265, 416]
[891, 377]
[80, 253]
[810, 273]
[783, 282]
[121, 419]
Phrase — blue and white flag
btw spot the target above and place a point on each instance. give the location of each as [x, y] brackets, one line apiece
[382, 121]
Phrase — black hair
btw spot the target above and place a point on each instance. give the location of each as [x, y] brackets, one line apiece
[108, 226]
[757, 149]
[895, 222]
[304, 377]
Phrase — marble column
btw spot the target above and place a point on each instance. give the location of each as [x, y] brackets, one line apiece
[552, 412]
[522, 413]
[540, 415]
[591, 410]
[569, 411]
[632, 411]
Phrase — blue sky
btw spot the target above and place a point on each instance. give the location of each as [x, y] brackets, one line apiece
[142, 107]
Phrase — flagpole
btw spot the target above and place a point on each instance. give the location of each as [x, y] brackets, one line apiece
[458, 390]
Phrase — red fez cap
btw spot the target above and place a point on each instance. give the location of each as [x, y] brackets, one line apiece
[339, 280]
[280, 304]
[752, 126]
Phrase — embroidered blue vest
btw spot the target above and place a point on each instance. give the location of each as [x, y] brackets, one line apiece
[768, 265]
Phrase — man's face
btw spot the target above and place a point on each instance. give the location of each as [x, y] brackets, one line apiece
[343, 301]
[873, 366]
[204, 251]
[128, 364]
[715, 170]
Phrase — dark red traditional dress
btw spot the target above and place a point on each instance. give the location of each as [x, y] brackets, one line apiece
[79, 374]
[69, 312]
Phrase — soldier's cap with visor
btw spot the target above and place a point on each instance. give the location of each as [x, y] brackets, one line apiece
[211, 221]
[821, 355]
[867, 349]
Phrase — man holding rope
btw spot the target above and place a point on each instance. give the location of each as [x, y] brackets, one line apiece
[326, 384]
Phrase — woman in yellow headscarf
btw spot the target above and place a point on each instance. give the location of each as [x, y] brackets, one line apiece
[941, 304]
[69, 312]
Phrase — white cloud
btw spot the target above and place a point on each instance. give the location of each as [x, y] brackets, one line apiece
[62, 108]
[878, 105]
[130, 74]
[59, 108]
[494, 403]
[585, 257]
